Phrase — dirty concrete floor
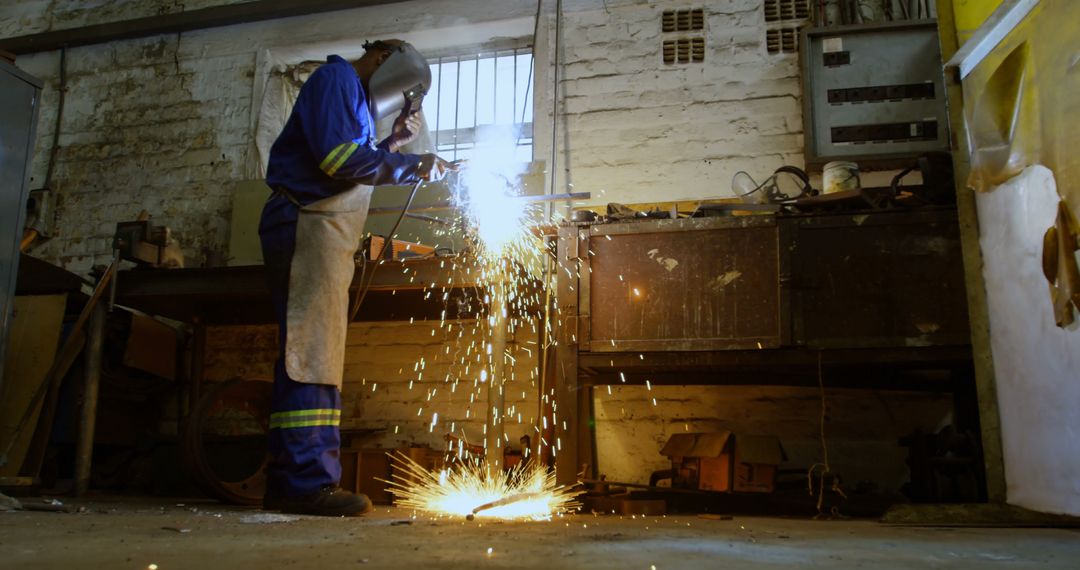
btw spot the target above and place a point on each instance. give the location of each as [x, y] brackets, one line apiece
[173, 535]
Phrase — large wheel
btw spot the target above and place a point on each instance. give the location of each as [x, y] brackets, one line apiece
[224, 441]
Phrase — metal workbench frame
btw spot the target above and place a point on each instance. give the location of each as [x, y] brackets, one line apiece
[784, 357]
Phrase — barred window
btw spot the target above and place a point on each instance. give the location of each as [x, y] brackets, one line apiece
[473, 92]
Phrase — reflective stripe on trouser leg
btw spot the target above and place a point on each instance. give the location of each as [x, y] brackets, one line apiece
[304, 441]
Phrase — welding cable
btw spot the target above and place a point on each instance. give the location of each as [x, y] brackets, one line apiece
[365, 284]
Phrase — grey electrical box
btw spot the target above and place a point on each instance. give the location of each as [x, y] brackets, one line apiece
[19, 96]
[873, 93]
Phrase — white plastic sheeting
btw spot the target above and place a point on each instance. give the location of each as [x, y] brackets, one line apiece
[1037, 364]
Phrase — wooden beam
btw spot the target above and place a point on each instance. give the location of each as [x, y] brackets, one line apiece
[217, 16]
[978, 311]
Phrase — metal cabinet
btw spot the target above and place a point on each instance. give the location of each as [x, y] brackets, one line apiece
[874, 93]
[19, 98]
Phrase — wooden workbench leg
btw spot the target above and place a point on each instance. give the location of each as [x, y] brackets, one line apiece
[84, 450]
[566, 411]
[586, 432]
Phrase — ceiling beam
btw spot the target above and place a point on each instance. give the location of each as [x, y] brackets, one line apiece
[217, 16]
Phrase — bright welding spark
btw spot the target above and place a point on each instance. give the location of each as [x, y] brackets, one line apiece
[459, 490]
[489, 190]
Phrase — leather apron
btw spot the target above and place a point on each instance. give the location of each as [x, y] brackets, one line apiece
[328, 234]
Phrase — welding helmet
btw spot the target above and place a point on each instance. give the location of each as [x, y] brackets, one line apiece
[404, 75]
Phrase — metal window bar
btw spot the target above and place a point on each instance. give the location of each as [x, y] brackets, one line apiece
[438, 104]
[476, 90]
[457, 104]
[513, 110]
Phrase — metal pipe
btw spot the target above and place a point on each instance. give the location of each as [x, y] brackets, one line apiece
[555, 98]
[457, 103]
[448, 205]
[605, 482]
[84, 448]
[438, 106]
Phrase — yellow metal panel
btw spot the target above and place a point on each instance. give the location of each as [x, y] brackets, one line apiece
[248, 200]
[32, 342]
[1020, 103]
[970, 14]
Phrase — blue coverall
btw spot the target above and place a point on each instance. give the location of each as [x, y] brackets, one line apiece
[326, 147]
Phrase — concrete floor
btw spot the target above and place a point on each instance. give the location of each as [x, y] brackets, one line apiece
[128, 533]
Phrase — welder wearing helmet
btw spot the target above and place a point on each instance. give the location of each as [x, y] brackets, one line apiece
[322, 169]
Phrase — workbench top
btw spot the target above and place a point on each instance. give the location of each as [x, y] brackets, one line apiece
[400, 290]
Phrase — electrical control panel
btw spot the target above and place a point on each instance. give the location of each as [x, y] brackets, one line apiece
[873, 94]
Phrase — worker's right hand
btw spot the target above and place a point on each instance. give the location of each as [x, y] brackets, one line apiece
[433, 168]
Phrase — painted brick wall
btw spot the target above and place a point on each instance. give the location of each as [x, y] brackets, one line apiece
[397, 377]
[644, 131]
[166, 124]
[861, 429]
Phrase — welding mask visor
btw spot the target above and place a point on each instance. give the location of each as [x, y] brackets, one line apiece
[405, 70]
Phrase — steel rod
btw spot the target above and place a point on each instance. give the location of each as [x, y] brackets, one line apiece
[457, 103]
[448, 205]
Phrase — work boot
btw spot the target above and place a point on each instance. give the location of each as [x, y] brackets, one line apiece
[330, 501]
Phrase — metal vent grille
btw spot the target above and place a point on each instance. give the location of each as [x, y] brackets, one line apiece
[782, 40]
[786, 10]
[683, 20]
[685, 50]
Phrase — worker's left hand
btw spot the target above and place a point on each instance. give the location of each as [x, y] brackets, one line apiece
[406, 128]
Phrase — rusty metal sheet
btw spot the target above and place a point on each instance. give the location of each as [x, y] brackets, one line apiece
[684, 286]
[880, 280]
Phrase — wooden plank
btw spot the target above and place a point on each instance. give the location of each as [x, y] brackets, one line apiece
[978, 311]
[50, 386]
[32, 342]
[184, 21]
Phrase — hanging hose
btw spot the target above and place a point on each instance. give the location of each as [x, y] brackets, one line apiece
[365, 280]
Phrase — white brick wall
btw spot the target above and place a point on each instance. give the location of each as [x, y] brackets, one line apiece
[861, 430]
[641, 130]
[381, 389]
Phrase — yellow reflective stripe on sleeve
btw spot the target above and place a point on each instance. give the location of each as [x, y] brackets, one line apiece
[345, 154]
[332, 156]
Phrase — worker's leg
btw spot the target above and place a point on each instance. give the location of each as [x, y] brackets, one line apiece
[304, 441]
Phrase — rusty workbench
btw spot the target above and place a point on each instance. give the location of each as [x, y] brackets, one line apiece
[875, 299]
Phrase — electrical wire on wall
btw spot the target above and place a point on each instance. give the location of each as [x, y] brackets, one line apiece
[824, 466]
[61, 91]
[31, 235]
